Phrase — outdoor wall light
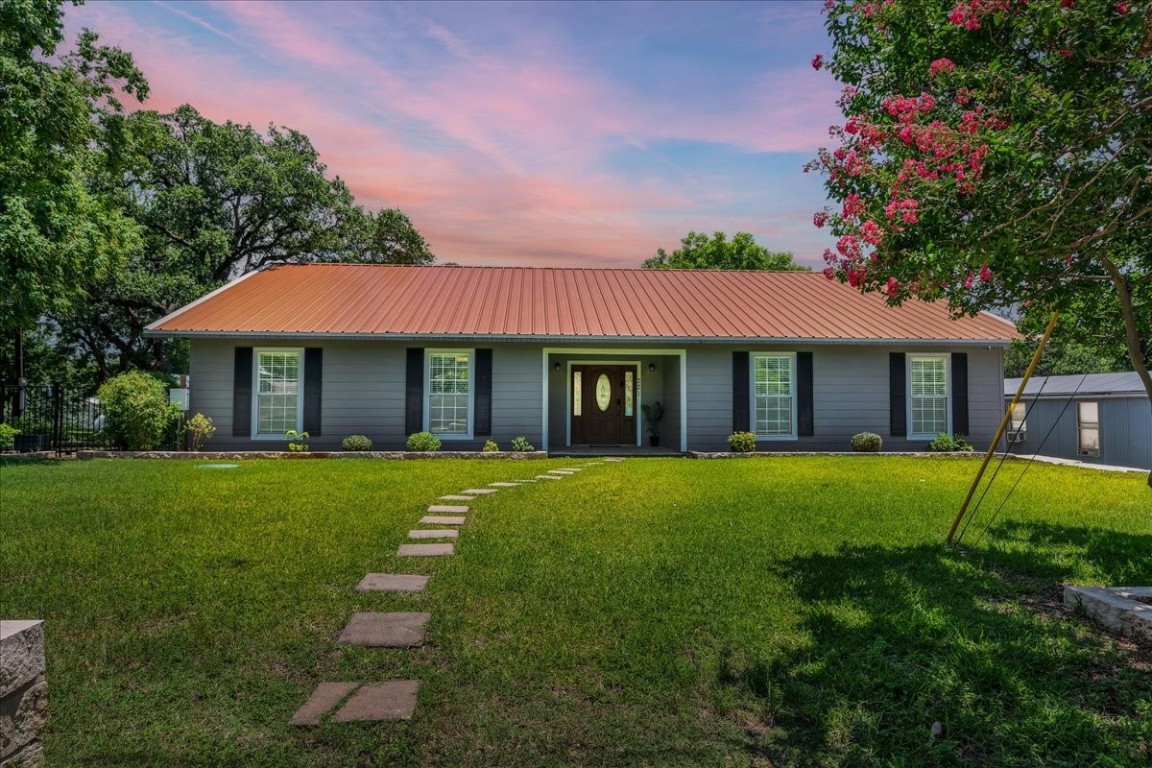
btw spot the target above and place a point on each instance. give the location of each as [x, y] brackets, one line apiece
[651, 367]
[556, 367]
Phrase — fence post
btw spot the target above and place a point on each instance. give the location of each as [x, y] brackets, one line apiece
[57, 417]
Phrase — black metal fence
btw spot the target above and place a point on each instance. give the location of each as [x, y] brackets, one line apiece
[51, 418]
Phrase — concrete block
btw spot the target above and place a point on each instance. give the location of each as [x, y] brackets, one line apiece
[385, 630]
[323, 699]
[457, 497]
[392, 582]
[504, 485]
[21, 653]
[434, 533]
[449, 509]
[478, 491]
[394, 700]
[425, 550]
[439, 520]
[1120, 610]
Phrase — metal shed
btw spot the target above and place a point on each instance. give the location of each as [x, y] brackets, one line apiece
[1097, 418]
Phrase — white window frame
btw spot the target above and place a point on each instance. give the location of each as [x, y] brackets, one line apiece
[791, 357]
[299, 352]
[428, 355]
[912, 434]
[1017, 422]
[1080, 426]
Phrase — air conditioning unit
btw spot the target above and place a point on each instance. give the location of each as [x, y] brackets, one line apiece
[1016, 437]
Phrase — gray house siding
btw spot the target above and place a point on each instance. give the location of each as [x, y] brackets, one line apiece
[364, 392]
[1125, 430]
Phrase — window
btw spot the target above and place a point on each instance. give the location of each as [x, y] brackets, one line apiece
[1088, 428]
[450, 393]
[279, 406]
[929, 400]
[1018, 423]
[773, 400]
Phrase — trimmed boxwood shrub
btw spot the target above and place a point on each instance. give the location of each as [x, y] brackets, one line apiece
[522, 445]
[136, 410]
[945, 443]
[423, 441]
[491, 446]
[867, 442]
[742, 442]
[356, 443]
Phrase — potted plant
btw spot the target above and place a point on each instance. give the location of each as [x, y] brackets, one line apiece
[653, 415]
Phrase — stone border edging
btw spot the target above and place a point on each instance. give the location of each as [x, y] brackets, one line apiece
[389, 455]
[771, 454]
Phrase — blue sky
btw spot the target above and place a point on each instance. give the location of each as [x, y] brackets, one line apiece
[549, 134]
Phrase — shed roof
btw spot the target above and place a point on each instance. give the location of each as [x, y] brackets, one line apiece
[360, 300]
[1080, 385]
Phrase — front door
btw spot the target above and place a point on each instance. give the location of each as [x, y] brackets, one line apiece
[604, 405]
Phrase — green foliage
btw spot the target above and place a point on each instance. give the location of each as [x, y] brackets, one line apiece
[423, 441]
[697, 251]
[653, 415]
[867, 442]
[521, 445]
[8, 436]
[60, 122]
[200, 429]
[356, 443]
[297, 441]
[995, 154]
[136, 410]
[742, 442]
[491, 446]
[945, 443]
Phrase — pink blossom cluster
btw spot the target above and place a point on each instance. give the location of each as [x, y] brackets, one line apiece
[968, 13]
[941, 66]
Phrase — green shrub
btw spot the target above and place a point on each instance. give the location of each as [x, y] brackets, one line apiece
[867, 442]
[491, 446]
[200, 429]
[521, 444]
[742, 442]
[423, 441]
[8, 436]
[297, 441]
[356, 443]
[136, 410]
[944, 443]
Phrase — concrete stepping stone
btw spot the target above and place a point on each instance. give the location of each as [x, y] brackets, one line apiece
[324, 698]
[441, 533]
[392, 582]
[457, 497]
[479, 491]
[449, 509]
[425, 550]
[533, 480]
[373, 702]
[504, 485]
[560, 472]
[614, 459]
[385, 630]
[549, 477]
[442, 520]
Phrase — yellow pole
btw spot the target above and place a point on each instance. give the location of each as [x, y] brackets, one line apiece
[1003, 425]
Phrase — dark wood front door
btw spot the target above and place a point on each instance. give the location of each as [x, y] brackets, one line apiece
[604, 405]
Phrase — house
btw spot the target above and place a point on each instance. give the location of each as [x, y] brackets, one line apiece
[568, 357]
[1098, 418]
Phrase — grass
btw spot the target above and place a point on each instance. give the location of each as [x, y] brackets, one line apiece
[788, 611]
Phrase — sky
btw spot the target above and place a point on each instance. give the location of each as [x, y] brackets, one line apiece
[521, 134]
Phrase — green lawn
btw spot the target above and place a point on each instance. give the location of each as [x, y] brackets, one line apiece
[766, 612]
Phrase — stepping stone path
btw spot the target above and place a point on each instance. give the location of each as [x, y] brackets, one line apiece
[394, 700]
[392, 582]
[425, 550]
[442, 533]
[385, 630]
[345, 702]
[437, 520]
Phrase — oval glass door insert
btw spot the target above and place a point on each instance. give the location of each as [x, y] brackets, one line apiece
[603, 392]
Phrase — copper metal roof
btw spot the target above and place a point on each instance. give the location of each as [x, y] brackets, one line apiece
[556, 304]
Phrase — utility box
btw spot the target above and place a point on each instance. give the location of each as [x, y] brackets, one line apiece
[179, 396]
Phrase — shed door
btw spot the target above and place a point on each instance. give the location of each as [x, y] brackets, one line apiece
[604, 405]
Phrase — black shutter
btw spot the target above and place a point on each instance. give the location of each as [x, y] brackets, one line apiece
[414, 392]
[960, 393]
[740, 396]
[897, 395]
[806, 422]
[242, 393]
[313, 376]
[483, 417]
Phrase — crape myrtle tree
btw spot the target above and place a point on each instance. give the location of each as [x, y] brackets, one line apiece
[996, 153]
[698, 251]
[214, 201]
